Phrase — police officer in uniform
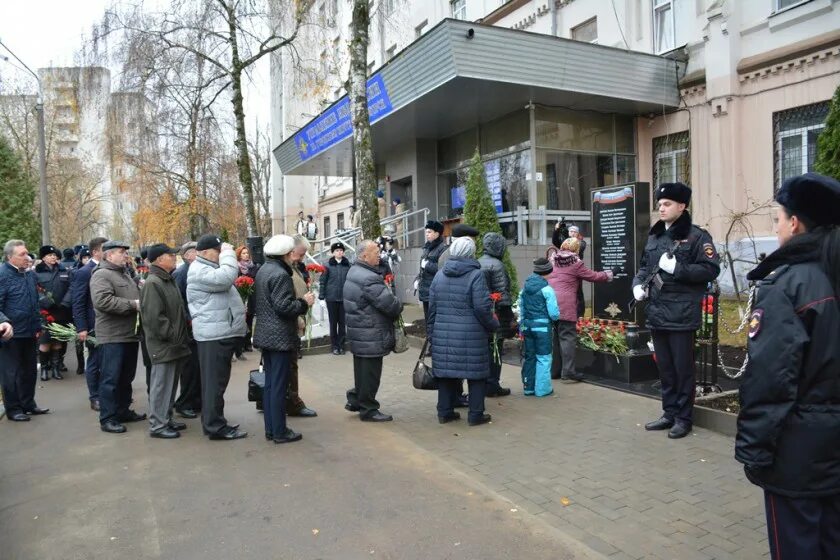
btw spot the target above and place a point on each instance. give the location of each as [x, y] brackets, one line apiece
[789, 425]
[678, 262]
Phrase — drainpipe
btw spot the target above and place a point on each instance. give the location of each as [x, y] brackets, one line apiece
[552, 10]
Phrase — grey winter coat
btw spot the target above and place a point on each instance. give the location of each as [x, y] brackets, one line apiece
[332, 280]
[432, 252]
[494, 269]
[370, 310]
[215, 306]
[113, 293]
[277, 308]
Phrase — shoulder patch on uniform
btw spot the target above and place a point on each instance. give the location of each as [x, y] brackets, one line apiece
[755, 322]
[709, 250]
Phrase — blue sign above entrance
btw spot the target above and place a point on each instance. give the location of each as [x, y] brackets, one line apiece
[336, 123]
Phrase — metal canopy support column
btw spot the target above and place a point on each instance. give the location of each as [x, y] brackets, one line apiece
[532, 173]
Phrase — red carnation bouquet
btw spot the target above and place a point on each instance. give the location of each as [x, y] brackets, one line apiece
[245, 286]
[314, 269]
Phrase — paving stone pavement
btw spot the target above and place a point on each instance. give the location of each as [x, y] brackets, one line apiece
[581, 460]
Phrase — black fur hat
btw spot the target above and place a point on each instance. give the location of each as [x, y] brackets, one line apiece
[434, 226]
[812, 196]
[48, 250]
[678, 192]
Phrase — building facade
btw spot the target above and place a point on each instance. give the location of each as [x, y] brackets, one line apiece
[727, 96]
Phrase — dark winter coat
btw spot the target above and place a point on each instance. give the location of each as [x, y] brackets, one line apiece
[460, 321]
[432, 252]
[180, 277]
[19, 300]
[55, 283]
[789, 425]
[164, 320]
[277, 308]
[113, 292]
[676, 307]
[494, 269]
[83, 315]
[332, 280]
[69, 264]
[538, 304]
[370, 310]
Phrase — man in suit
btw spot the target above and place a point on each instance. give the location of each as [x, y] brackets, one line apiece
[84, 318]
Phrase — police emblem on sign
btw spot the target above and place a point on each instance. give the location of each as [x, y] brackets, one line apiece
[709, 250]
[755, 322]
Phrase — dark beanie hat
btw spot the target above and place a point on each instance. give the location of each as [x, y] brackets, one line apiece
[542, 266]
[208, 241]
[464, 230]
[812, 196]
[69, 253]
[678, 192]
[434, 226]
[48, 250]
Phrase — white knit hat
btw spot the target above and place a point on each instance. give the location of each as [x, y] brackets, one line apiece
[462, 247]
[279, 245]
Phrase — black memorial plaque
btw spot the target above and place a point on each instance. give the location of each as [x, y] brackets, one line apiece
[620, 218]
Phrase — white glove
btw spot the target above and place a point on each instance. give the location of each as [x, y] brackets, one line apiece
[668, 264]
[416, 285]
[423, 263]
[639, 293]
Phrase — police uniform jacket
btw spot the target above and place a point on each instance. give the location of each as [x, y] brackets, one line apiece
[55, 281]
[432, 252]
[789, 425]
[676, 306]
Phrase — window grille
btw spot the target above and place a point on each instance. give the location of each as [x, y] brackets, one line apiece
[795, 133]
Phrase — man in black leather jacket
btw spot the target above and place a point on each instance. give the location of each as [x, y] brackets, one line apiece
[789, 424]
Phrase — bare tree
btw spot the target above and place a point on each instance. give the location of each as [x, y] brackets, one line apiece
[259, 147]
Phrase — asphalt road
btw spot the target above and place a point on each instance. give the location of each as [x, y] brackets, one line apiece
[349, 490]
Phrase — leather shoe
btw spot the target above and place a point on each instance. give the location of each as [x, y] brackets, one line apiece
[377, 417]
[351, 408]
[449, 418]
[177, 426]
[166, 433]
[679, 430]
[288, 436]
[341, 351]
[36, 411]
[187, 413]
[94, 405]
[304, 413]
[19, 417]
[112, 427]
[132, 416]
[268, 436]
[500, 392]
[483, 420]
[229, 434]
[661, 424]
[570, 380]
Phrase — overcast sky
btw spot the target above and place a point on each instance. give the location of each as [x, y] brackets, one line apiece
[49, 33]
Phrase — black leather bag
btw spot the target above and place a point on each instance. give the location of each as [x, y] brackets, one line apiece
[422, 377]
[256, 384]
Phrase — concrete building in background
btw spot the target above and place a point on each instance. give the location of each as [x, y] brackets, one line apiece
[562, 97]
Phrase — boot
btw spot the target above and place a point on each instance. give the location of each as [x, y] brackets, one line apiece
[55, 363]
[80, 358]
[61, 354]
[44, 361]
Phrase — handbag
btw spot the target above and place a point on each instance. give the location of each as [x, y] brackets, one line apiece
[422, 377]
[400, 338]
[256, 384]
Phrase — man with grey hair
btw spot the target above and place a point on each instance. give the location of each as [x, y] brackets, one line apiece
[116, 302]
[20, 321]
[370, 310]
[300, 280]
[188, 404]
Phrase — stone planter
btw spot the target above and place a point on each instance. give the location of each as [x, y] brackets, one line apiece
[627, 368]
[712, 418]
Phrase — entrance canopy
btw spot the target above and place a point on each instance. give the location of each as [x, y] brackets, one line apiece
[460, 74]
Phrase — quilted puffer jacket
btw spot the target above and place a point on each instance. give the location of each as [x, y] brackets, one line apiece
[277, 308]
[460, 321]
[370, 310]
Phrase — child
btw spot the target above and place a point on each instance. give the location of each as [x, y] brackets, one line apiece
[537, 310]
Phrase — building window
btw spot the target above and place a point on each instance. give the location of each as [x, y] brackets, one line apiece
[663, 25]
[339, 221]
[459, 9]
[389, 54]
[671, 159]
[420, 29]
[327, 231]
[371, 66]
[795, 134]
[784, 4]
[586, 31]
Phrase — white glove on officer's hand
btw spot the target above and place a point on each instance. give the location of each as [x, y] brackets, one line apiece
[639, 293]
[668, 264]
[416, 285]
[423, 263]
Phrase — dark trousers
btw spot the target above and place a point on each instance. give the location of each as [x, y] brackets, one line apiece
[118, 367]
[147, 361]
[803, 527]
[367, 373]
[335, 309]
[675, 360]
[93, 370]
[18, 374]
[494, 381]
[277, 367]
[449, 390]
[294, 404]
[426, 311]
[566, 339]
[214, 357]
[190, 397]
